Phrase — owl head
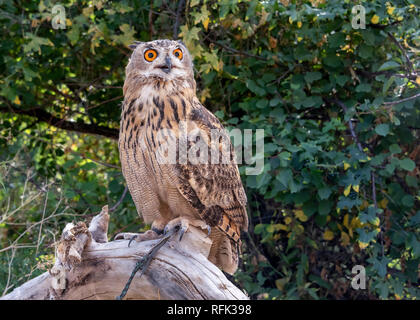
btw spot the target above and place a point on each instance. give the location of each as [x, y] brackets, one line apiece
[164, 59]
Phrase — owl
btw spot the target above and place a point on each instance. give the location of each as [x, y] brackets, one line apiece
[165, 136]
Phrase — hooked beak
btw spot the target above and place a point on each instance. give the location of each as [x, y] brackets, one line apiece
[167, 66]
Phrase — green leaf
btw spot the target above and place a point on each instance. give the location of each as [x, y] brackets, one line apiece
[324, 193]
[407, 164]
[259, 228]
[251, 85]
[35, 43]
[388, 66]
[388, 84]
[324, 207]
[364, 87]
[394, 148]
[312, 76]
[382, 129]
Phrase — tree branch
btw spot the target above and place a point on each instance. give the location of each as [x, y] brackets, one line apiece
[241, 53]
[351, 127]
[177, 19]
[87, 266]
[44, 116]
[410, 67]
[390, 103]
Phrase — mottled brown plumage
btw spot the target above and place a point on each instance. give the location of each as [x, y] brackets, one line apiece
[160, 105]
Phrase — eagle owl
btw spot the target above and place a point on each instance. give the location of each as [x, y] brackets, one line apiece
[160, 105]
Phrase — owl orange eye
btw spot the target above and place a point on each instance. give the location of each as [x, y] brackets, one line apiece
[150, 55]
[178, 53]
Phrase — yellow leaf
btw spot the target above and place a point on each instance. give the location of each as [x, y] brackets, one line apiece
[383, 203]
[363, 245]
[299, 24]
[301, 215]
[400, 18]
[290, 20]
[375, 19]
[299, 39]
[346, 165]
[418, 80]
[346, 221]
[328, 235]
[356, 188]
[280, 283]
[390, 10]
[345, 239]
[283, 227]
[288, 220]
[347, 190]
[376, 223]
[206, 23]
[68, 22]
[299, 229]
[17, 101]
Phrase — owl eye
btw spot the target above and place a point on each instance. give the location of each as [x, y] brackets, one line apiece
[178, 53]
[150, 55]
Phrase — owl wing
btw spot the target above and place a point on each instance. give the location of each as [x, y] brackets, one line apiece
[215, 190]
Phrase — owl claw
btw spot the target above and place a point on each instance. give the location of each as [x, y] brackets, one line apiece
[182, 225]
[131, 240]
[170, 231]
[182, 231]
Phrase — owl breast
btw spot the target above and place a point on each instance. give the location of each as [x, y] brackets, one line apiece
[148, 146]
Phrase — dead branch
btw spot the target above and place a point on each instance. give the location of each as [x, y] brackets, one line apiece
[87, 266]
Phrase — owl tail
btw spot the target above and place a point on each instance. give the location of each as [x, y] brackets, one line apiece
[224, 251]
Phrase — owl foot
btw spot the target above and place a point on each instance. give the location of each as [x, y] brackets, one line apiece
[182, 224]
[143, 263]
[148, 235]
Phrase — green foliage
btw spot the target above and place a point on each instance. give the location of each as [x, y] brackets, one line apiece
[340, 181]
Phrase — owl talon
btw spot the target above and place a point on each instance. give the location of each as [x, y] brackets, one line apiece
[208, 231]
[181, 232]
[131, 240]
[170, 231]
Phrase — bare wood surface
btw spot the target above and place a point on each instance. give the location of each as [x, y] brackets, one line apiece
[89, 267]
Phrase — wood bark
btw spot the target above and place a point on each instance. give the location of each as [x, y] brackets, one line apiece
[87, 266]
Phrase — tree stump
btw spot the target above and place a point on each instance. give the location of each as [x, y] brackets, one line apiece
[87, 266]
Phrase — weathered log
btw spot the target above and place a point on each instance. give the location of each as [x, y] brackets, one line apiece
[89, 267]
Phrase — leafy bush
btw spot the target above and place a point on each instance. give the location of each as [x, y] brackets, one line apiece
[339, 107]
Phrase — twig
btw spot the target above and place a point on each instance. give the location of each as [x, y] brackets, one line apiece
[390, 103]
[242, 53]
[119, 201]
[104, 102]
[44, 116]
[144, 262]
[353, 133]
[42, 221]
[177, 19]
[409, 64]
[6, 288]
[98, 162]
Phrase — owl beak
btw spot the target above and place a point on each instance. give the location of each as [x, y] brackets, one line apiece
[167, 66]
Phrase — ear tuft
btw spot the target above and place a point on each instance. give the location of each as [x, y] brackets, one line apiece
[135, 44]
[180, 41]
